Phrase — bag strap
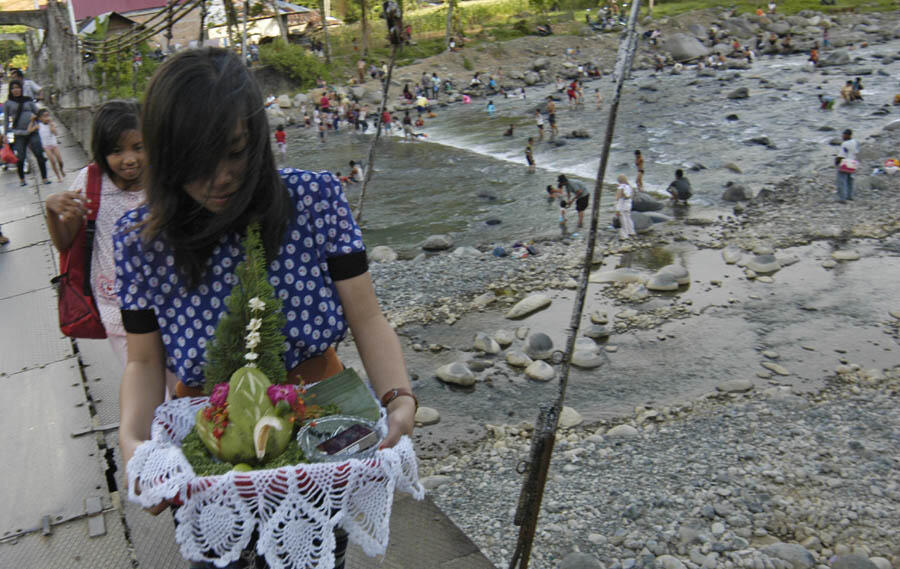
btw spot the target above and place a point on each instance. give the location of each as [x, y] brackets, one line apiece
[94, 179]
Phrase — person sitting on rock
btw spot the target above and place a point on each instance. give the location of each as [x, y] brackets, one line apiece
[786, 44]
[814, 55]
[680, 188]
[773, 40]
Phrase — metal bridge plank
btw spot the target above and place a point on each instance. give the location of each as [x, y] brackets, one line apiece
[69, 547]
[27, 269]
[52, 472]
[103, 372]
[30, 335]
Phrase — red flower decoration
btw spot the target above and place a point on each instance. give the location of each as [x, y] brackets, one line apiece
[287, 393]
[219, 395]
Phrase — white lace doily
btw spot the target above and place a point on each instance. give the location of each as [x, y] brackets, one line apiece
[295, 509]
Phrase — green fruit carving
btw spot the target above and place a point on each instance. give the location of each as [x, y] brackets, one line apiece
[248, 404]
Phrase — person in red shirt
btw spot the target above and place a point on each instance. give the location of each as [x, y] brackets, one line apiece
[281, 140]
[324, 103]
[386, 120]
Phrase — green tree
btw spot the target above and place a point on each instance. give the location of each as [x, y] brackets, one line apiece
[294, 62]
[226, 353]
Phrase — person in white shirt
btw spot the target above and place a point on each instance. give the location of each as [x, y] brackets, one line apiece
[624, 193]
[846, 165]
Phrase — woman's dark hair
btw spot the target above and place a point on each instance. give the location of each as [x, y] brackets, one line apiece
[193, 105]
[111, 121]
[19, 83]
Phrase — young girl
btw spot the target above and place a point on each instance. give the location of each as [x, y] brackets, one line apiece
[624, 194]
[117, 147]
[176, 254]
[47, 130]
[281, 140]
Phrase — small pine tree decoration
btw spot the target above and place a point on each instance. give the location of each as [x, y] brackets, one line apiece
[249, 334]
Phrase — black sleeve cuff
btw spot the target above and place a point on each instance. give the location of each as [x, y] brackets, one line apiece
[348, 266]
[139, 321]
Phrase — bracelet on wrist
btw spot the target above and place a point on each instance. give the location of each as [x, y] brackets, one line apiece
[396, 392]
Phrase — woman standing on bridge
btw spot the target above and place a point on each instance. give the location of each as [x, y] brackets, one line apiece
[211, 172]
[19, 117]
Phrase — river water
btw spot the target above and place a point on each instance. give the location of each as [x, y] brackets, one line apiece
[466, 172]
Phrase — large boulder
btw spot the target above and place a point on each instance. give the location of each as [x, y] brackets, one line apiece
[528, 305]
[680, 274]
[642, 222]
[836, 57]
[284, 101]
[300, 99]
[540, 63]
[358, 92]
[382, 254]
[735, 193]
[531, 78]
[662, 281]
[683, 47]
[780, 28]
[539, 346]
[643, 202]
[741, 27]
[457, 373]
[438, 243]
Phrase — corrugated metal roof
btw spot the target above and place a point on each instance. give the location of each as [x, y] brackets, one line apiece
[91, 8]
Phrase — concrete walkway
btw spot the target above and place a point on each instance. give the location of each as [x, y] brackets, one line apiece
[60, 464]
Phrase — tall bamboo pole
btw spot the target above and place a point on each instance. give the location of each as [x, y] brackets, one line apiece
[548, 417]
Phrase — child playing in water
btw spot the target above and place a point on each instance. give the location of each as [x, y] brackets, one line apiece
[47, 131]
[281, 140]
[490, 108]
[529, 156]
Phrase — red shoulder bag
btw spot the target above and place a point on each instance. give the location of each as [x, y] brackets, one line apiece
[78, 313]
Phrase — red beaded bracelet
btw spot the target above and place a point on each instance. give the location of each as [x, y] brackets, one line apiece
[398, 392]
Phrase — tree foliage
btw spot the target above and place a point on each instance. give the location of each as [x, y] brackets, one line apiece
[293, 61]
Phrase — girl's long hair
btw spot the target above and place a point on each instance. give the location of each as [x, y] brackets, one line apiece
[194, 103]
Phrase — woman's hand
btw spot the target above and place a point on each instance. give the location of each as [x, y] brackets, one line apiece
[401, 418]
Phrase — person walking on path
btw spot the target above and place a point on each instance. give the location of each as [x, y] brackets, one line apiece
[117, 148]
[846, 166]
[50, 142]
[176, 254]
[575, 192]
[624, 193]
[20, 118]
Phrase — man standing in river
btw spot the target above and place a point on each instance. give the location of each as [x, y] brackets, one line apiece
[846, 164]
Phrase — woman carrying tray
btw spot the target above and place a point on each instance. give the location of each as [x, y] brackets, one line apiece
[212, 172]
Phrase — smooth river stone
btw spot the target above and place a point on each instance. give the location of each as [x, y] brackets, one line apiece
[731, 255]
[735, 386]
[586, 344]
[680, 273]
[765, 279]
[895, 314]
[829, 263]
[662, 282]
[540, 371]
[569, 418]
[486, 344]
[618, 276]
[599, 317]
[517, 358]
[504, 337]
[586, 359]
[456, 372]
[775, 368]
[762, 264]
[622, 432]
[539, 346]
[597, 332]
[845, 255]
[529, 305]
[427, 416]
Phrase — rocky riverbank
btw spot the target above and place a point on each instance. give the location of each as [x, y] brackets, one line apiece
[775, 468]
[738, 479]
